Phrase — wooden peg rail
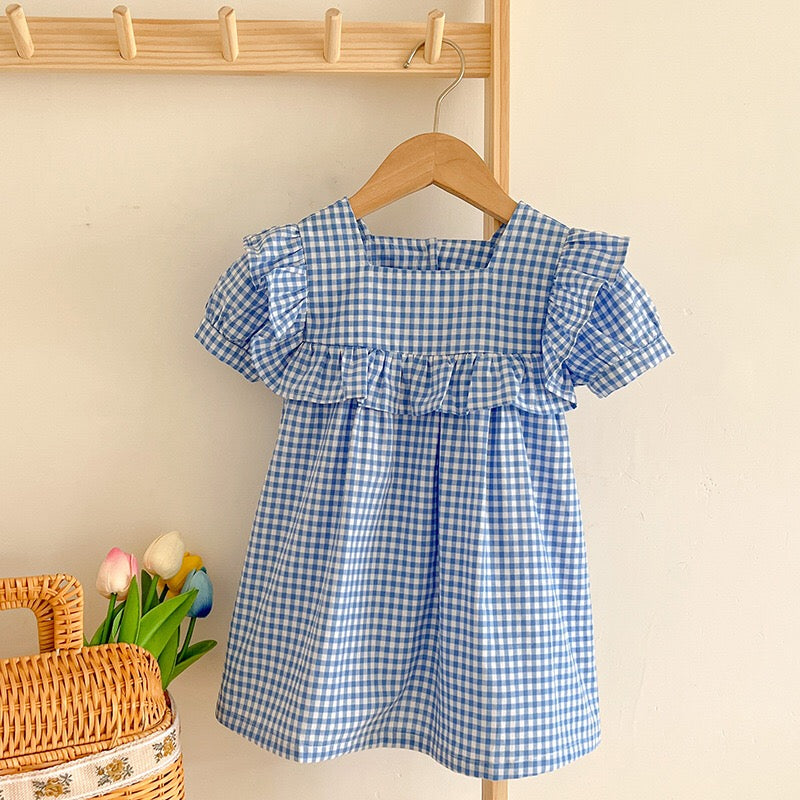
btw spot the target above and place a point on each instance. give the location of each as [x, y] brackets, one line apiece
[227, 45]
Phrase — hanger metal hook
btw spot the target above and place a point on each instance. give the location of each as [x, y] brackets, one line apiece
[452, 86]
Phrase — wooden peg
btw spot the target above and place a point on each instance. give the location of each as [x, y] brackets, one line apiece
[332, 45]
[125, 37]
[19, 30]
[434, 32]
[227, 30]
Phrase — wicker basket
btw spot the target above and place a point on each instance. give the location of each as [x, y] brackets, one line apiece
[71, 716]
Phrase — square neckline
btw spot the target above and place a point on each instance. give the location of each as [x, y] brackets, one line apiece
[361, 232]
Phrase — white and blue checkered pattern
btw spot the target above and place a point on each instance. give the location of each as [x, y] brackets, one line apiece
[416, 573]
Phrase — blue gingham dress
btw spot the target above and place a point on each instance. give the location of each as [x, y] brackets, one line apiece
[416, 573]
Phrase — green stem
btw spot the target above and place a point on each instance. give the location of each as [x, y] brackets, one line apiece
[186, 641]
[163, 593]
[112, 601]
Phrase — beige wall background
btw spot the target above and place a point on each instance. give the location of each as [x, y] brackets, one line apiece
[674, 123]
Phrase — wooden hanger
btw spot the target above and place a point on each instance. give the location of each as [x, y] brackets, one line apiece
[434, 158]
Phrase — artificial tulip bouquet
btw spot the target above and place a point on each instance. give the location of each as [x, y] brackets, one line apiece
[174, 585]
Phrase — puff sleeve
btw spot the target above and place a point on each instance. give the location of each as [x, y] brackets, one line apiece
[621, 340]
[602, 328]
[261, 296]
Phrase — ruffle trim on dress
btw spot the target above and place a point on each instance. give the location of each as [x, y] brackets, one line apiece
[277, 266]
[587, 261]
[411, 383]
[403, 383]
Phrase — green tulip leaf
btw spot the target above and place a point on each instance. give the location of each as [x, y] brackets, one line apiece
[98, 634]
[166, 661]
[158, 624]
[147, 578]
[131, 616]
[193, 652]
[95, 640]
[114, 632]
[199, 648]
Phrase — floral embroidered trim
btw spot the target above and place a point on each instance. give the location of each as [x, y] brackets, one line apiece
[95, 775]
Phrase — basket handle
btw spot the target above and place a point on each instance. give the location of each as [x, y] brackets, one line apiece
[57, 602]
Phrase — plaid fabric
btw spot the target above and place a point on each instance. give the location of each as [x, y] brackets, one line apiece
[416, 572]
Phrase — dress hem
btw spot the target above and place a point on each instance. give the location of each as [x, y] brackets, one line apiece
[409, 741]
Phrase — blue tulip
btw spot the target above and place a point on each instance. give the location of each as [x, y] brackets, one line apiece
[198, 579]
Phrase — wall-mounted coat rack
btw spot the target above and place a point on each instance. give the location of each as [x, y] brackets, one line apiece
[121, 43]
[257, 47]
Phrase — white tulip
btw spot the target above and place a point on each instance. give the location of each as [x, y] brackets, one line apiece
[164, 556]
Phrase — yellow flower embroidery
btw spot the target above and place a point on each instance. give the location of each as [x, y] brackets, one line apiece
[114, 771]
[53, 787]
[166, 747]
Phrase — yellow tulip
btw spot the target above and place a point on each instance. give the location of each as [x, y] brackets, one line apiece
[190, 561]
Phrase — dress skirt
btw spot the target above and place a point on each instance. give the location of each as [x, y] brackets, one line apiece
[416, 582]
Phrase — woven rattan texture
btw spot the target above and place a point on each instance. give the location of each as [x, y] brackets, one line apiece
[70, 701]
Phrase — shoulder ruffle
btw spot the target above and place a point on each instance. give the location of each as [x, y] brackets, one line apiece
[587, 260]
[277, 266]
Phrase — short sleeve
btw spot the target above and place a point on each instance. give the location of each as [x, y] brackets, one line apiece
[260, 295]
[621, 339]
[602, 328]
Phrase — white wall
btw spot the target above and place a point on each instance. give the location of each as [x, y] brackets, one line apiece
[676, 124]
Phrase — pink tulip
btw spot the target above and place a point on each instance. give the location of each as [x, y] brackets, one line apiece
[116, 572]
